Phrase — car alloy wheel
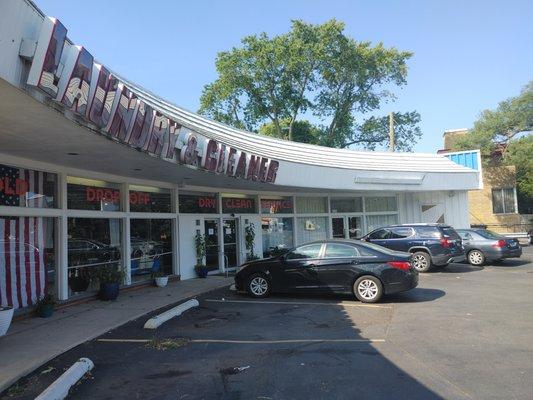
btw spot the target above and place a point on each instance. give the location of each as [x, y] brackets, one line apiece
[368, 289]
[258, 286]
[421, 262]
[476, 257]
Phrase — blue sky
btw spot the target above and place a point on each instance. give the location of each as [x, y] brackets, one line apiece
[468, 55]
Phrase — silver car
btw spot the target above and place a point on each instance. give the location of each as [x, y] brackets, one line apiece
[482, 245]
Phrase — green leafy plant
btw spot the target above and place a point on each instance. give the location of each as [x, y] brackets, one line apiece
[47, 299]
[249, 238]
[45, 304]
[106, 274]
[159, 274]
[200, 247]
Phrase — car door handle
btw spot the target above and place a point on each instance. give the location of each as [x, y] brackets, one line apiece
[354, 262]
[311, 269]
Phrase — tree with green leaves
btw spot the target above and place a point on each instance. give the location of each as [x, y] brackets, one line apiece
[507, 130]
[313, 84]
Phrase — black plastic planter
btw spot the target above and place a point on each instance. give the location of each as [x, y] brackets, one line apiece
[108, 291]
[45, 310]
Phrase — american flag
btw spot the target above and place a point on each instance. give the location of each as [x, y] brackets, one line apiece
[22, 258]
[34, 197]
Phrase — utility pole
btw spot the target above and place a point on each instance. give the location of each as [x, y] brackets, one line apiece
[391, 132]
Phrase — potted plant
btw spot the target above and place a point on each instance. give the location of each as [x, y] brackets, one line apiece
[160, 278]
[45, 306]
[6, 315]
[110, 279]
[199, 245]
[249, 238]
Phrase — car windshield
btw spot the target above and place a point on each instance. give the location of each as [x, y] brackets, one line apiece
[489, 234]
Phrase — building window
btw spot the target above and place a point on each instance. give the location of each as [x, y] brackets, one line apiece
[312, 228]
[89, 194]
[277, 234]
[504, 201]
[311, 205]
[277, 205]
[346, 204]
[150, 199]
[198, 203]
[20, 187]
[151, 247]
[92, 243]
[378, 204]
[27, 260]
[235, 204]
[377, 221]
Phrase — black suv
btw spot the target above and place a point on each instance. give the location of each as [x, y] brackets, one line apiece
[431, 244]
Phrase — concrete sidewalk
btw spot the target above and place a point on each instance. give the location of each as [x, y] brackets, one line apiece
[32, 342]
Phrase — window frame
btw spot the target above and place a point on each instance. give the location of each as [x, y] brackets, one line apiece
[502, 194]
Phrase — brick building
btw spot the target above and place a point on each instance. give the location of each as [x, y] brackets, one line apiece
[495, 204]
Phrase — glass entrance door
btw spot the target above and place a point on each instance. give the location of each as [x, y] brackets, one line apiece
[212, 248]
[347, 227]
[230, 238]
[337, 227]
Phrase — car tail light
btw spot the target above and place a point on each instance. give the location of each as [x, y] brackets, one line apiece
[445, 242]
[499, 243]
[402, 265]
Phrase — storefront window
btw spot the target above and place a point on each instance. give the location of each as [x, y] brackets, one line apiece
[151, 247]
[377, 221]
[93, 243]
[311, 205]
[346, 204]
[373, 204]
[27, 260]
[277, 235]
[88, 194]
[277, 205]
[150, 199]
[198, 203]
[312, 228]
[21, 187]
[236, 204]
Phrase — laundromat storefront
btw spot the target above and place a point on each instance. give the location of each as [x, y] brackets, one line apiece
[97, 173]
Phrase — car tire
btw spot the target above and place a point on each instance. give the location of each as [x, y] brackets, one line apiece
[476, 258]
[368, 289]
[258, 285]
[421, 261]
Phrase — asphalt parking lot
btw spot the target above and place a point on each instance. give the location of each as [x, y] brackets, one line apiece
[464, 333]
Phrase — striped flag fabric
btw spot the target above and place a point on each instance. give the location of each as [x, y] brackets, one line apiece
[21, 187]
[22, 239]
[22, 261]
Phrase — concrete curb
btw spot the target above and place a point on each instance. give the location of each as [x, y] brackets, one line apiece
[158, 320]
[59, 389]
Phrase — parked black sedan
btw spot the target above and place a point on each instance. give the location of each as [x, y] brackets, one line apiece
[330, 266]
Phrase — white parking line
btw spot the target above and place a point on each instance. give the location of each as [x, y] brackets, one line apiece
[281, 341]
[309, 303]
